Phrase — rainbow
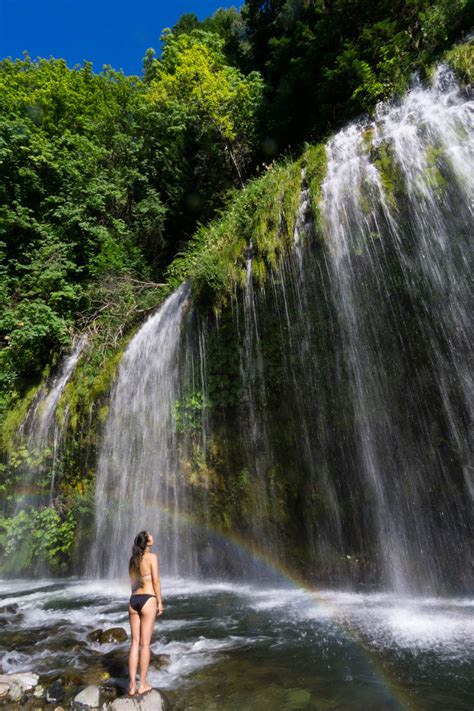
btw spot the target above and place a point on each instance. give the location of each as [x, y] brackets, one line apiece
[288, 577]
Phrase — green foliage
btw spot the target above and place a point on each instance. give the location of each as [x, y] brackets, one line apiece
[315, 163]
[33, 331]
[257, 222]
[326, 62]
[35, 538]
[389, 172]
[94, 170]
[208, 105]
[188, 413]
[193, 82]
[461, 59]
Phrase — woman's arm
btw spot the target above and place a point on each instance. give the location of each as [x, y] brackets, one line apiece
[155, 579]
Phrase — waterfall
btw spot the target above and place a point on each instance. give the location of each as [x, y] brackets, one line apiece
[399, 274]
[140, 481]
[337, 440]
[372, 389]
[41, 432]
[253, 426]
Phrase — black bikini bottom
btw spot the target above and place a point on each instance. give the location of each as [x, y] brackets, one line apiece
[137, 601]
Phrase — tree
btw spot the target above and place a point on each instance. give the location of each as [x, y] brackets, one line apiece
[209, 109]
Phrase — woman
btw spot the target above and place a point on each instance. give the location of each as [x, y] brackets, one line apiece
[142, 607]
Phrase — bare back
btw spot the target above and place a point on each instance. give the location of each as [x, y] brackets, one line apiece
[143, 585]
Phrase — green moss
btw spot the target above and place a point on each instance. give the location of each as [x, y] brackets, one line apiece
[461, 59]
[15, 417]
[257, 222]
[435, 158]
[315, 162]
[389, 171]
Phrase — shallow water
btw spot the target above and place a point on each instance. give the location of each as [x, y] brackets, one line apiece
[243, 647]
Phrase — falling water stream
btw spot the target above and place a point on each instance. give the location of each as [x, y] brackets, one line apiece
[41, 431]
[400, 272]
[138, 482]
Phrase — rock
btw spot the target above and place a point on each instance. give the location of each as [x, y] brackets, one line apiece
[161, 659]
[95, 636]
[96, 675]
[297, 699]
[151, 701]
[10, 608]
[114, 634]
[15, 692]
[55, 692]
[4, 690]
[88, 698]
[110, 693]
[25, 680]
[38, 692]
[73, 679]
[59, 708]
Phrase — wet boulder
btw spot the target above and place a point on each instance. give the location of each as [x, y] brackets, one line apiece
[151, 701]
[12, 609]
[161, 659]
[88, 699]
[114, 634]
[25, 680]
[4, 689]
[95, 635]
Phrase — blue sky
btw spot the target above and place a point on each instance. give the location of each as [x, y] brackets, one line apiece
[103, 31]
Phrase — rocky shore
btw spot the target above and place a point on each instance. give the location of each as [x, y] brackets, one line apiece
[28, 690]
[24, 690]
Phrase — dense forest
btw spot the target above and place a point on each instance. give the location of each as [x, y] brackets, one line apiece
[107, 180]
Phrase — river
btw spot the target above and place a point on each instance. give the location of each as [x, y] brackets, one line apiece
[243, 647]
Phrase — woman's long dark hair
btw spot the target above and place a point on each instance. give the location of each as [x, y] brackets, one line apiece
[138, 549]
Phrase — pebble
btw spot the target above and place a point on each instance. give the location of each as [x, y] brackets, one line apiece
[55, 692]
[15, 692]
[38, 692]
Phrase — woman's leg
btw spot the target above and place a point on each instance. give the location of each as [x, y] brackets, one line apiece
[134, 647]
[147, 621]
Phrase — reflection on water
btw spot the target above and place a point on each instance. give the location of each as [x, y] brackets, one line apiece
[240, 647]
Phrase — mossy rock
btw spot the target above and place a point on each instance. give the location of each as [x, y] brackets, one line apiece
[114, 634]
